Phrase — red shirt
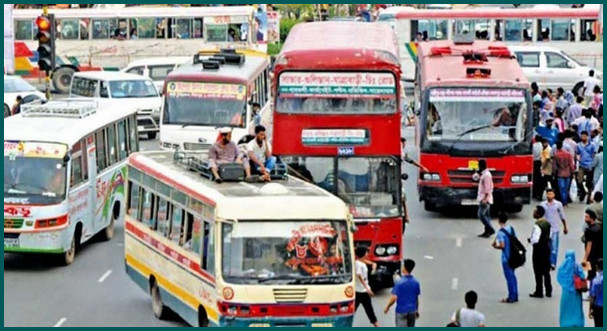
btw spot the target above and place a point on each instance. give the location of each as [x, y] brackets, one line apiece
[563, 164]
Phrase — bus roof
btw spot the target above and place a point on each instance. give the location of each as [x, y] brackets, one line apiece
[135, 12]
[227, 73]
[591, 12]
[59, 129]
[331, 44]
[289, 199]
[450, 70]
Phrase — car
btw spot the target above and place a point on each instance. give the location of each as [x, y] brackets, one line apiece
[156, 69]
[15, 86]
[552, 68]
[120, 90]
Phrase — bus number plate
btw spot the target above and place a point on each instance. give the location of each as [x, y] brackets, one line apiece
[345, 151]
[469, 202]
[11, 242]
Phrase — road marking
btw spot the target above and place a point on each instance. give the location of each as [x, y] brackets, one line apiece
[458, 242]
[105, 276]
[60, 323]
[454, 284]
[428, 257]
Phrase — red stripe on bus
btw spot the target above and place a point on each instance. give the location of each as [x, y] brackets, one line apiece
[169, 253]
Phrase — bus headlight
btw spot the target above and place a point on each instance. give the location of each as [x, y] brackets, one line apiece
[392, 250]
[380, 250]
[322, 325]
[520, 179]
[431, 177]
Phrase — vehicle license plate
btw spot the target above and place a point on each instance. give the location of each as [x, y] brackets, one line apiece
[11, 242]
[469, 202]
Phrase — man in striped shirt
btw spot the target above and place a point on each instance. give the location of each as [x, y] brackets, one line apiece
[485, 198]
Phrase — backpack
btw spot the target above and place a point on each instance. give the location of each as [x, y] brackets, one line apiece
[517, 251]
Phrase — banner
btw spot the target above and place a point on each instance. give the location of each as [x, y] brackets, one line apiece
[14, 149]
[336, 85]
[9, 40]
[477, 94]
[206, 90]
[335, 137]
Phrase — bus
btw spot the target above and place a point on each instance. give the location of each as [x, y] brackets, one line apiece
[64, 175]
[217, 89]
[110, 38]
[575, 31]
[237, 254]
[475, 104]
[337, 124]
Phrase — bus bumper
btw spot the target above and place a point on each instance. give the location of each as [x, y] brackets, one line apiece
[447, 196]
[50, 242]
[301, 321]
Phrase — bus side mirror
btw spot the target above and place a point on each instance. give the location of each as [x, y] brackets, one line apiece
[66, 159]
[404, 176]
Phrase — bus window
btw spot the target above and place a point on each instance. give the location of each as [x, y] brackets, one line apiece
[176, 225]
[118, 29]
[182, 28]
[161, 28]
[562, 30]
[143, 28]
[513, 30]
[208, 251]
[134, 194]
[147, 209]
[481, 29]
[122, 140]
[589, 30]
[101, 29]
[24, 30]
[217, 32]
[543, 30]
[429, 29]
[164, 222]
[195, 234]
[85, 161]
[101, 152]
[76, 178]
[133, 139]
[463, 27]
[197, 31]
[68, 29]
[111, 140]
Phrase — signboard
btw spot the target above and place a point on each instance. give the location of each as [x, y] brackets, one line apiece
[14, 149]
[325, 137]
[9, 40]
[226, 19]
[273, 27]
[206, 90]
[476, 94]
[336, 85]
[345, 151]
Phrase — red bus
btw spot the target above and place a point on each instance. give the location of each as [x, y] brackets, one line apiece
[475, 103]
[337, 124]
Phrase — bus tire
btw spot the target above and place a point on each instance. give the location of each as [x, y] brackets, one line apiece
[158, 307]
[152, 135]
[7, 111]
[68, 257]
[62, 78]
[430, 206]
[577, 88]
[108, 232]
[203, 318]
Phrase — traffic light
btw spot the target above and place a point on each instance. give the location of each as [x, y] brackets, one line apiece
[46, 43]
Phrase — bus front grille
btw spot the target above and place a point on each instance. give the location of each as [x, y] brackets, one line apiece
[13, 223]
[290, 295]
[466, 176]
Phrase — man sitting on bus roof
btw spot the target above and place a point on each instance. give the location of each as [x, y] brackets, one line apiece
[260, 154]
[225, 151]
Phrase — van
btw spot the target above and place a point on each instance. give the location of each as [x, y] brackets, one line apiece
[124, 91]
[157, 69]
[552, 68]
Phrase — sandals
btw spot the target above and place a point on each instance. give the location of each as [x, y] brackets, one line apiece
[252, 179]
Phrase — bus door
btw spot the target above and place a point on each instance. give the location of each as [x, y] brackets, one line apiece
[91, 164]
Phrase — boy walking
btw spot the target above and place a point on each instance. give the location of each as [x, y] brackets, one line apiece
[363, 291]
[405, 294]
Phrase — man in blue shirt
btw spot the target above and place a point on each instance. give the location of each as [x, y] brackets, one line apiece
[405, 293]
[549, 132]
[596, 296]
[585, 154]
[502, 242]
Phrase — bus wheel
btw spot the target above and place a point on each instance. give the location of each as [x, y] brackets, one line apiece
[108, 232]
[62, 78]
[152, 135]
[7, 111]
[203, 319]
[69, 256]
[158, 307]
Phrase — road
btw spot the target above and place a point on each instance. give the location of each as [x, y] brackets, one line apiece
[451, 260]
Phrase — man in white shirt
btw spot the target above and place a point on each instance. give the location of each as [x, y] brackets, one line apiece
[589, 83]
[469, 317]
[540, 239]
[361, 285]
[260, 154]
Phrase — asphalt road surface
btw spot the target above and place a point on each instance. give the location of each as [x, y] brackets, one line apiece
[451, 260]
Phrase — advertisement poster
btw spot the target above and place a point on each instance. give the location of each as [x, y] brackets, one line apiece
[9, 40]
[336, 85]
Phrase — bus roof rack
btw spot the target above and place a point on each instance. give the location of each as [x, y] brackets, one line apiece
[61, 108]
[210, 65]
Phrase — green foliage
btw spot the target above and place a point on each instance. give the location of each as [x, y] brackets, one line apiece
[286, 24]
[274, 48]
[298, 11]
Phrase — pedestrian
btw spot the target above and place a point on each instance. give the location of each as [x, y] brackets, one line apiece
[575, 111]
[555, 216]
[596, 296]
[405, 294]
[597, 206]
[597, 165]
[363, 291]
[571, 310]
[585, 154]
[537, 167]
[540, 239]
[546, 167]
[588, 90]
[564, 169]
[469, 317]
[502, 242]
[593, 246]
[16, 109]
[485, 198]
[599, 186]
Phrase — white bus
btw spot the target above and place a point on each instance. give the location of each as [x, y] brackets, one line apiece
[110, 38]
[237, 254]
[64, 175]
[215, 90]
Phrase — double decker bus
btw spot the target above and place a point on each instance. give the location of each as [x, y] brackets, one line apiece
[64, 175]
[110, 38]
[575, 31]
[218, 89]
[337, 124]
[475, 104]
[237, 254]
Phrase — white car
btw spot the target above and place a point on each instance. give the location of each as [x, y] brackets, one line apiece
[552, 68]
[157, 69]
[123, 91]
[15, 86]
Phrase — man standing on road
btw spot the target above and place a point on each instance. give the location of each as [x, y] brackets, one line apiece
[502, 242]
[363, 290]
[540, 239]
[594, 243]
[485, 198]
[405, 294]
[565, 169]
[555, 215]
[588, 90]
[596, 296]
[585, 154]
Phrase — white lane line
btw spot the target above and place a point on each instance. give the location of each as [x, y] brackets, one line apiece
[458, 242]
[454, 284]
[105, 276]
[428, 257]
[61, 322]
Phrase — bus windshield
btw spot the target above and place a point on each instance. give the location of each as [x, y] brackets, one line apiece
[476, 114]
[204, 104]
[286, 252]
[121, 89]
[336, 93]
[35, 179]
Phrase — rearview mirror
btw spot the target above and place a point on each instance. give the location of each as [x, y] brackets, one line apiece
[404, 176]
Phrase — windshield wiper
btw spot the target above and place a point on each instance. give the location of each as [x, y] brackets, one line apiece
[329, 279]
[17, 185]
[461, 135]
